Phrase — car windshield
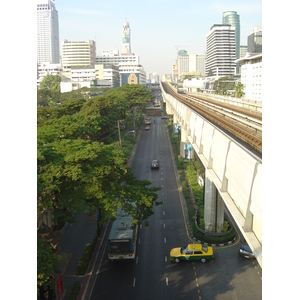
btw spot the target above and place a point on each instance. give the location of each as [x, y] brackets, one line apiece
[246, 248]
[183, 249]
[154, 161]
[204, 248]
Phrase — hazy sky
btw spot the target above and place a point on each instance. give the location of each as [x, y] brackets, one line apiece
[157, 27]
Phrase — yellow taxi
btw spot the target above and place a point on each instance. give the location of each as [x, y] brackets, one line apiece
[192, 252]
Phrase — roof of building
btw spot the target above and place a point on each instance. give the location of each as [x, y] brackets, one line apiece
[249, 56]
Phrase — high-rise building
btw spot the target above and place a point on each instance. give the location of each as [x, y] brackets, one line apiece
[220, 51]
[190, 64]
[153, 77]
[47, 32]
[254, 44]
[126, 47]
[233, 19]
[78, 54]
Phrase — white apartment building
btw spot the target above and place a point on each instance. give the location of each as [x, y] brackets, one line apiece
[111, 52]
[251, 75]
[220, 51]
[83, 74]
[193, 85]
[45, 69]
[108, 73]
[131, 71]
[47, 32]
[78, 54]
[112, 57]
[101, 76]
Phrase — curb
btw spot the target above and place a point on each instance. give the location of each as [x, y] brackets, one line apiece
[90, 269]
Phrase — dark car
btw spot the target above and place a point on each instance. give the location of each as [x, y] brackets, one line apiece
[155, 164]
[246, 252]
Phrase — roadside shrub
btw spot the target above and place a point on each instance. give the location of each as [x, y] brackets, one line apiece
[86, 257]
[180, 159]
[74, 291]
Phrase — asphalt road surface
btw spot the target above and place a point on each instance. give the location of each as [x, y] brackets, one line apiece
[152, 276]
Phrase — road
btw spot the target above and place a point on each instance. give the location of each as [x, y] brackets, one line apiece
[151, 275]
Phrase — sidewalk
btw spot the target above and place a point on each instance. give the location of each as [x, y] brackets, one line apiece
[72, 244]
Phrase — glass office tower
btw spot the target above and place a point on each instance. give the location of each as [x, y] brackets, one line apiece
[47, 32]
[233, 19]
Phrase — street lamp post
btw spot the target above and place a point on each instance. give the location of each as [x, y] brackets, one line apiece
[120, 140]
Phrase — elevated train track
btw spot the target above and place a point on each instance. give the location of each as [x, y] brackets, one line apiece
[245, 124]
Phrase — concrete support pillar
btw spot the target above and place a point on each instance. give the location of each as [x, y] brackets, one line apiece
[183, 141]
[168, 109]
[213, 207]
[186, 149]
[175, 124]
[175, 119]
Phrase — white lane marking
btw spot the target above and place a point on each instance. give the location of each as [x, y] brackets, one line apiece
[167, 281]
[137, 260]
[164, 213]
[166, 258]
[164, 225]
[165, 240]
[134, 282]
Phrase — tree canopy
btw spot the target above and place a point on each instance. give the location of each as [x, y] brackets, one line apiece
[76, 170]
[223, 85]
[238, 90]
[51, 82]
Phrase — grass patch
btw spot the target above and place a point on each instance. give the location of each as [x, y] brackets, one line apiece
[74, 291]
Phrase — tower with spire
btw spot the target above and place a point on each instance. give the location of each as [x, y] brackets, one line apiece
[126, 47]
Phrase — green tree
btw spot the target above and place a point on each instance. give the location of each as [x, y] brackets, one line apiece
[51, 82]
[238, 90]
[223, 85]
[77, 175]
[46, 261]
[75, 171]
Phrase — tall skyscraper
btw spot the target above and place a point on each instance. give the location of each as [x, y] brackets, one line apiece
[233, 19]
[255, 41]
[47, 32]
[220, 51]
[126, 47]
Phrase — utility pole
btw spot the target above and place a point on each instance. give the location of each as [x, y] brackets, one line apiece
[134, 111]
[120, 140]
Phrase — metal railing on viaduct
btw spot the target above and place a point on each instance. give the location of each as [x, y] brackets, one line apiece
[233, 173]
